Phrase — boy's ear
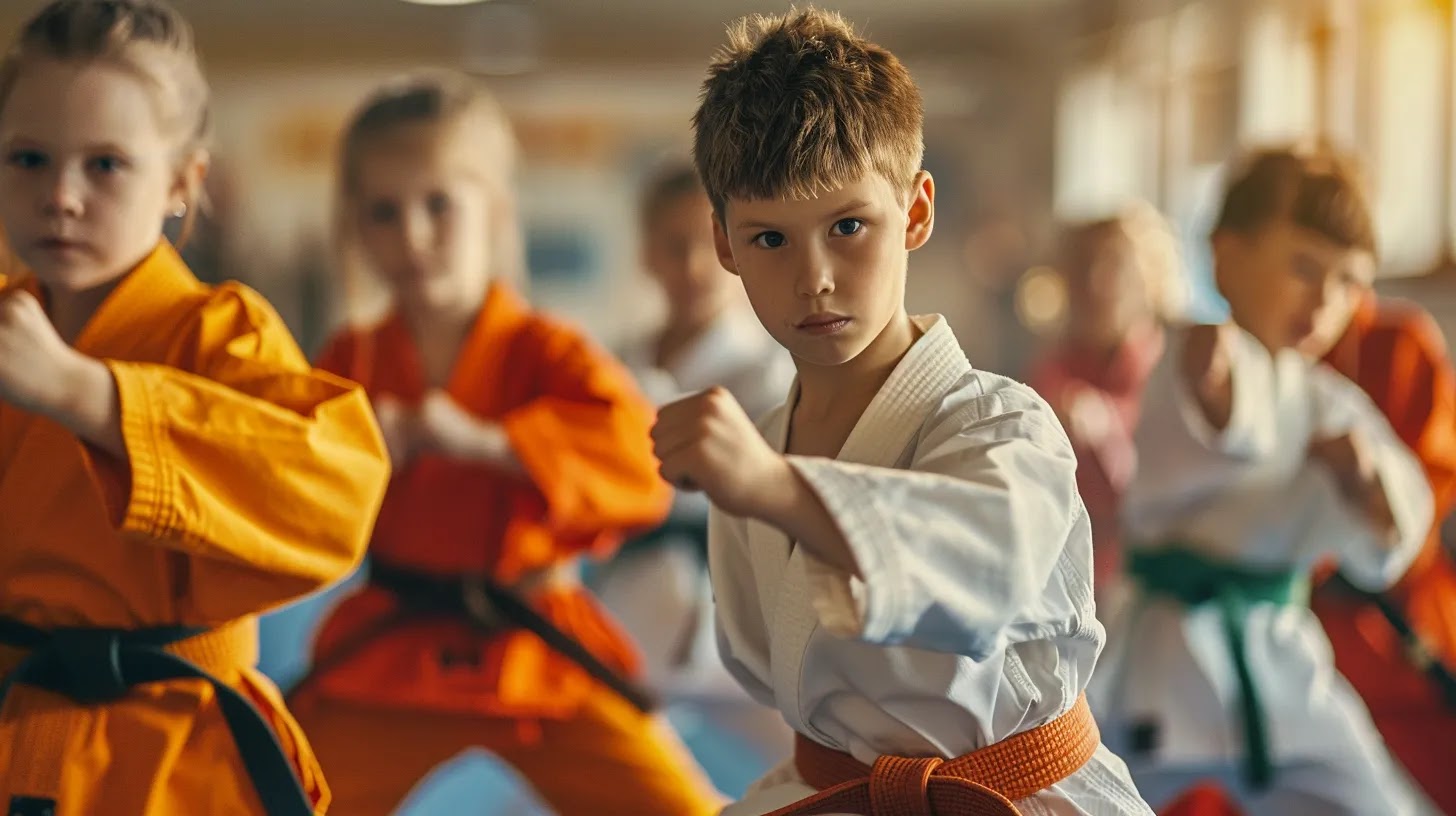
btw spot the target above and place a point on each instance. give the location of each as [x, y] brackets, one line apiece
[921, 220]
[722, 246]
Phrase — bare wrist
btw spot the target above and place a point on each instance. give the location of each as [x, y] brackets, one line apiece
[85, 400]
[75, 380]
[780, 494]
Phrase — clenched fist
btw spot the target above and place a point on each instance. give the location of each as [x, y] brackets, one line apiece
[1207, 363]
[706, 442]
[1348, 458]
[36, 365]
[445, 427]
[399, 425]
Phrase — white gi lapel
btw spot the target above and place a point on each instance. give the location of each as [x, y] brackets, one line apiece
[916, 386]
[888, 426]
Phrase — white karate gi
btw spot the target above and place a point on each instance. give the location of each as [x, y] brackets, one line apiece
[957, 493]
[1250, 496]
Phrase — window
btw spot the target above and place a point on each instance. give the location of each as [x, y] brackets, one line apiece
[1409, 138]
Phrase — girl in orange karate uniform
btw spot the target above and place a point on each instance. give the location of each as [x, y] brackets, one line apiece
[518, 447]
[170, 464]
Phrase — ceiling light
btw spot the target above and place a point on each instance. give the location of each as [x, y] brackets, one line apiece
[443, 2]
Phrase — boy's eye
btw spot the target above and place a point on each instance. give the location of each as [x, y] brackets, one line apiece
[27, 159]
[848, 226]
[438, 203]
[769, 240]
[383, 212]
[108, 164]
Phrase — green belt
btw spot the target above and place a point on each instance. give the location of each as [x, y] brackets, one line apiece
[1194, 580]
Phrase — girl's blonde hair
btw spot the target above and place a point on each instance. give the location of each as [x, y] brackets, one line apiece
[148, 37]
[461, 113]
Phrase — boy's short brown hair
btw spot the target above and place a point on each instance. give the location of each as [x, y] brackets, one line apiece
[799, 103]
[1317, 190]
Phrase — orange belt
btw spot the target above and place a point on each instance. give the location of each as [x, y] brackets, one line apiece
[981, 783]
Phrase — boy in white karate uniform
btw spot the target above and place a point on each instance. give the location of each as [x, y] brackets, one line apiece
[1255, 465]
[902, 568]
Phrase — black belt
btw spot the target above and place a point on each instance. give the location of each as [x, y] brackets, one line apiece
[492, 607]
[93, 666]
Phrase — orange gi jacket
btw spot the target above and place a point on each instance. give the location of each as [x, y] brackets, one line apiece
[580, 429]
[253, 479]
